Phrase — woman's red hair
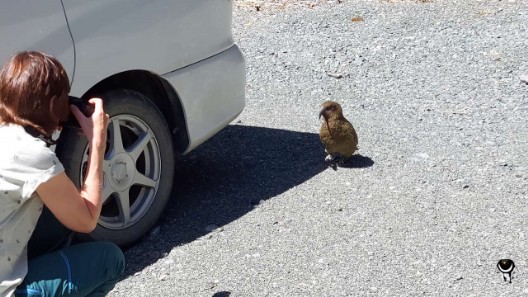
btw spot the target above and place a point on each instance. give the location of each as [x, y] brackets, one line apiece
[28, 82]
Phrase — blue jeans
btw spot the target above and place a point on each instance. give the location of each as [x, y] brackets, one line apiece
[86, 269]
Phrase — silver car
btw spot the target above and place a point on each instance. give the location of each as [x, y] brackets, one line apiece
[170, 77]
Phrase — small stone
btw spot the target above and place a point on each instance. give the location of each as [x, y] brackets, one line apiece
[422, 155]
[210, 228]
[524, 78]
[357, 19]
[163, 277]
[358, 61]
[213, 284]
[334, 75]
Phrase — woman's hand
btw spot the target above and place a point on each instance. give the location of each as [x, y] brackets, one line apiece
[94, 127]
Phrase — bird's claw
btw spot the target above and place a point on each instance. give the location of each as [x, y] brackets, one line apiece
[335, 160]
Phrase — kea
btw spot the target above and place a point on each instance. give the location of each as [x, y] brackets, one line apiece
[337, 133]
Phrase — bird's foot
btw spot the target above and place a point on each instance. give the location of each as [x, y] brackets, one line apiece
[334, 160]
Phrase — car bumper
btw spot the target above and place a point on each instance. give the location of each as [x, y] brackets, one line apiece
[212, 93]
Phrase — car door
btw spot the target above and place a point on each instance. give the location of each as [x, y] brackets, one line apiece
[36, 25]
[113, 36]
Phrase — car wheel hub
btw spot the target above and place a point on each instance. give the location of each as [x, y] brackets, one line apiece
[122, 172]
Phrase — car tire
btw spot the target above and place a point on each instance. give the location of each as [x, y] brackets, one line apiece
[138, 167]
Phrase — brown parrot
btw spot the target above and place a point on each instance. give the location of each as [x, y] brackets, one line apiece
[337, 133]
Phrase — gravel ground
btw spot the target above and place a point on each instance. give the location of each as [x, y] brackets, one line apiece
[436, 198]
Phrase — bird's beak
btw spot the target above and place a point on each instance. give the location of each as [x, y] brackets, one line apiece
[323, 114]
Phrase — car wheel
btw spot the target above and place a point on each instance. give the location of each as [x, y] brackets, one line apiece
[138, 167]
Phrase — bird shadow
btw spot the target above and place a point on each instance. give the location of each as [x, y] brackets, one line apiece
[225, 178]
[357, 161]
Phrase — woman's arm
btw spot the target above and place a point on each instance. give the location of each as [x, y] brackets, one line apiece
[80, 210]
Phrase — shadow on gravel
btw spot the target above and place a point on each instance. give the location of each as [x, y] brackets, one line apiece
[224, 179]
[358, 161]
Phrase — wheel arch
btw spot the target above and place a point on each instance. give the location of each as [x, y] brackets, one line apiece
[157, 89]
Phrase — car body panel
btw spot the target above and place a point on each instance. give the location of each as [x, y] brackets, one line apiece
[218, 97]
[182, 41]
[35, 25]
[160, 36]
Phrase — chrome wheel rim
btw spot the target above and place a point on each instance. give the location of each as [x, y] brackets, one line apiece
[132, 169]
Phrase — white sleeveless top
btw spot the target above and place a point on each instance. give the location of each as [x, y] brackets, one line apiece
[25, 163]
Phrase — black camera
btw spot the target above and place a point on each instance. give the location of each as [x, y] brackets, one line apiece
[83, 105]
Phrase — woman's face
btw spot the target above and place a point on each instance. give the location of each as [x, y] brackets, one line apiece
[61, 109]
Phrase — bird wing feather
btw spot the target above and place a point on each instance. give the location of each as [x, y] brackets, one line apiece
[339, 137]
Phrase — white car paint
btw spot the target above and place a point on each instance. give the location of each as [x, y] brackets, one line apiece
[187, 42]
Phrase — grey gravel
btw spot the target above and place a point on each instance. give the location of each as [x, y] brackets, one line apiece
[436, 198]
